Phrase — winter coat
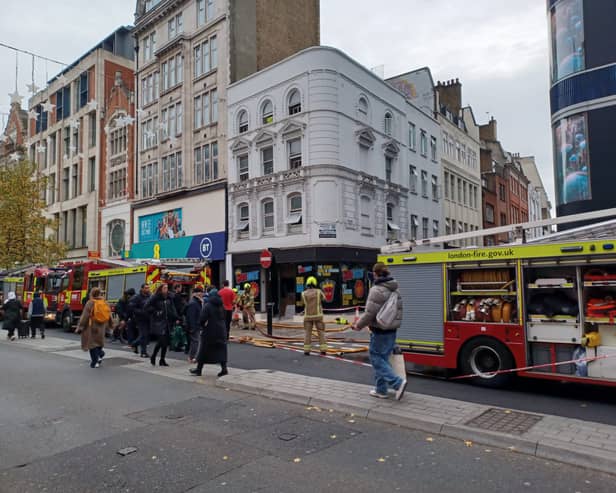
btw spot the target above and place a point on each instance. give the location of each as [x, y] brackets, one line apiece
[193, 314]
[37, 307]
[121, 309]
[92, 333]
[12, 314]
[179, 304]
[136, 306]
[162, 314]
[213, 347]
[378, 295]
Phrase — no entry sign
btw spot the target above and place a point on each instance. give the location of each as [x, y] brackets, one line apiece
[266, 259]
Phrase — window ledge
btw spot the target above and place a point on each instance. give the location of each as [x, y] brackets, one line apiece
[169, 90]
[205, 75]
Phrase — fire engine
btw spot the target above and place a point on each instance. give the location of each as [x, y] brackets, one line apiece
[544, 309]
[10, 283]
[36, 279]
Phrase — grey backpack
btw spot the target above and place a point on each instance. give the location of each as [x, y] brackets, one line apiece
[388, 314]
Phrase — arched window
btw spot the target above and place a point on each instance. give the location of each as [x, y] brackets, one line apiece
[362, 107]
[388, 123]
[115, 232]
[242, 121]
[267, 112]
[268, 215]
[295, 102]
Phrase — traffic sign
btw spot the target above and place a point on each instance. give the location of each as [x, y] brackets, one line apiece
[266, 259]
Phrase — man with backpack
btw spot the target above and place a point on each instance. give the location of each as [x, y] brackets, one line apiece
[36, 315]
[94, 322]
[383, 315]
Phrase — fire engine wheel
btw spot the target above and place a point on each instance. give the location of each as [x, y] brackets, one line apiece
[67, 321]
[484, 356]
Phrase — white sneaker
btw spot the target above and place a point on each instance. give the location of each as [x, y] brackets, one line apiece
[378, 395]
[13, 338]
[97, 365]
[401, 389]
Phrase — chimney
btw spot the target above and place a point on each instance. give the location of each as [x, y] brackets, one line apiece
[488, 131]
[450, 95]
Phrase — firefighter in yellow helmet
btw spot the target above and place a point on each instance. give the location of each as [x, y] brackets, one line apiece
[247, 305]
[312, 298]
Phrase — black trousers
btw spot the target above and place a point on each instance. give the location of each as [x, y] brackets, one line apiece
[162, 343]
[36, 323]
[228, 318]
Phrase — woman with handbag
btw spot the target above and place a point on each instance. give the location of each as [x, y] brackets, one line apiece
[161, 311]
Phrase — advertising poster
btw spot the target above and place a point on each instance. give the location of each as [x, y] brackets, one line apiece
[567, 25]
[161, 226]
[571, 160]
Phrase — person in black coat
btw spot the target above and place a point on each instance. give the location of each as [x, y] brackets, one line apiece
[136, 307]
[121, 331]
[213, 347]
[193, 324]
[162, 314]
[12, 315]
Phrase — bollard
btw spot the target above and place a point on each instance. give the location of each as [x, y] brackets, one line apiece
[270, 317]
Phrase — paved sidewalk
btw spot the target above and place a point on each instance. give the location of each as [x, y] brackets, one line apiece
[572, 441]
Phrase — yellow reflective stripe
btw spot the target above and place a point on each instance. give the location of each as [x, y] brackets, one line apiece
[118, 271]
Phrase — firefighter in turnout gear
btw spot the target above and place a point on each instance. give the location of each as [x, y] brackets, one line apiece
[312, 298]
[247, 305]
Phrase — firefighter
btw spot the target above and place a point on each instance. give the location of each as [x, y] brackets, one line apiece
[247, 305]
[312, 298]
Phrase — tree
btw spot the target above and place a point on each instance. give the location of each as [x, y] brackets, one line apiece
[23, 225]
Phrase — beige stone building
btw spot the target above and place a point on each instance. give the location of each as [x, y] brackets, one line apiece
[189, 51]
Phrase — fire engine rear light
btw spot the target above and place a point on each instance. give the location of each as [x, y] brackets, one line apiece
[572, 249]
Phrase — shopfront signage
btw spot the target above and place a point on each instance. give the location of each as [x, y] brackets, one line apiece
[327, 230]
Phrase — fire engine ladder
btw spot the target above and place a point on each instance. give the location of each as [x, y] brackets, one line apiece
[517, 230]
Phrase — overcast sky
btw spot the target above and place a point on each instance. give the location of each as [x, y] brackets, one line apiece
[497, 48]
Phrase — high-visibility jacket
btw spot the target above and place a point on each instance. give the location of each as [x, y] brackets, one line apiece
[313, 304]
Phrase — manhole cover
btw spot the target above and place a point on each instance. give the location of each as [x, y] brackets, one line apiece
[505, 421]
[119, 361]
[174, 417]
[287, 437]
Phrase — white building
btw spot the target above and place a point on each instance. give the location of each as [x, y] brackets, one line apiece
[539, 206]
[328, 162]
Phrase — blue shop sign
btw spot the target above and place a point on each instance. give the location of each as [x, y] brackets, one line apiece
[210, 246]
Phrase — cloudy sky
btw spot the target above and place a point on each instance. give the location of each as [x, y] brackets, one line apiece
[497, 48]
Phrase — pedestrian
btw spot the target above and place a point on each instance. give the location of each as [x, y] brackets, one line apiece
[237, 312]
[247, 305]
[228, 297]
[12, 310]
[312, 298]
[136, 306]
[179, 335]
[193, 315]
[122, 311]
[94, 322]
[213, 345]
[382, 340]
[161, 310]
[36, 315]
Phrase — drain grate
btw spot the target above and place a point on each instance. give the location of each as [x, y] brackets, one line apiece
[505, 421]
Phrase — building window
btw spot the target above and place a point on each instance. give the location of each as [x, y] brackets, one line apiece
[267, 112]
[65, 183]
[267, 160]
[392, 227]
[172, 120]
[242, 122]
[205, 11]
[452, 188]
[63, 103]
[172, 171]
[447, 226]
[414, 227]
[365, 215]
[425, 233]
[433, 148]
[489, 213]
[464, 194]
[92, 174]
[389, 165]
[206, 108]
[242, 167]
[294, 217]
[91, 131]
[413, 178]
[460, 196]
[115, 237]
[435, 229]
[435, 188]
[503, 219]
[243, 220]
[149, 180]
[117, 184]
[52, 189]
[206, 56]
[268, 215]
[149, 88]
[424, 143]
[175, 26]
[206, 163]
[74, 180]
[118, 141]
[295, 102]
[388, 123]
[149, 46]
[501, 192]
[412, 137]
[173, 72]
[362, 108]
[424, 184]
[446, 185]
[294, 148]
[149, 133]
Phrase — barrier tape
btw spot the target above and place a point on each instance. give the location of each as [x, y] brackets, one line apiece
[534, 367]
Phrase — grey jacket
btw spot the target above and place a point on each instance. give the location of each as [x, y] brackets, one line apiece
[378, 295]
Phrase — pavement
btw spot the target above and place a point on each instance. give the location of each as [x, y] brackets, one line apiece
[572, 441]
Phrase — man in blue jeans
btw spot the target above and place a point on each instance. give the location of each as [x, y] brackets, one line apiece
[382, 339]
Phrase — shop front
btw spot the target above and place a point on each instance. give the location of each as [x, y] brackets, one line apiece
[341, 272]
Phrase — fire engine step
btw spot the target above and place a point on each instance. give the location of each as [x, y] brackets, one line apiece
[505, 421]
